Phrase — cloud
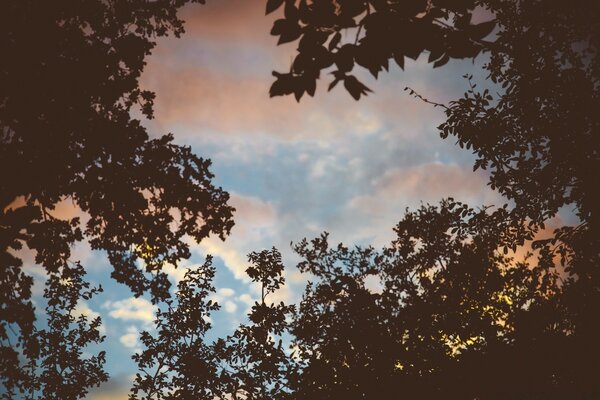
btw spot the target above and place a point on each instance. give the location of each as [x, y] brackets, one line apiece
[398, 188]
[229, 20]
[176, 274]
[428, 183]
[82, 308]
[230, 306]
[131, 338]
[255, 224]
[225, 292]
[131, 309]
[246, 299]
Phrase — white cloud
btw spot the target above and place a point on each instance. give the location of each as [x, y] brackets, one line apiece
[247, 299]
[256, 224]
[230, 306]
[130, 339]
[176, 274]
[233, 258]
[131, 309]
[225, 292]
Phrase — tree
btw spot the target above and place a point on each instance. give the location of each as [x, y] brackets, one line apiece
[451, 315]
[383, 30]
[55, 366]
[69, 77]
[177, 363]
[454, 315]
[249, 364]
[536, 135]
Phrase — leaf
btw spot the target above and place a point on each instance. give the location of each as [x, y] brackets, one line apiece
[344, 58]
[399, 58]
[332, 84]
[479, 31]
[335, 40]
[290, 33]
[442, 61]
[311, 86]
[298, 92]
[283, 85]
[278, 26]
[291, 12]
[355, 88]
[273, 5]
[435, 55]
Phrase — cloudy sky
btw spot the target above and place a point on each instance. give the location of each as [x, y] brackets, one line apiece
[293, 170]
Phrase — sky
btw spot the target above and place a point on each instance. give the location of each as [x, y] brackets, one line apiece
[293, 170]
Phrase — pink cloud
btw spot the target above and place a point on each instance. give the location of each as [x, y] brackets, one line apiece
[229, 20]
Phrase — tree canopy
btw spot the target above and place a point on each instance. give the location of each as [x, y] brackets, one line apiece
[536, 135]
[70, 84]
[453, 314]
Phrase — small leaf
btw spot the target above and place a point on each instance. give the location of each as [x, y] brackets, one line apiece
[332, 84]
[399, 58]
[442, 61]
[290, 33]
[335, 40]
[355, 88]
[273, 5]
[291, 12]
[480, 31]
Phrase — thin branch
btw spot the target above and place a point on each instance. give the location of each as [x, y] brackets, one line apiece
[418, 96]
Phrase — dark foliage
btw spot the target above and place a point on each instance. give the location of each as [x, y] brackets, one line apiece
[49, 363]
[177, 363]
[382, 30]
[69, 85]
[442, 312]
[249, 364]
[537, 135]
[453, 315]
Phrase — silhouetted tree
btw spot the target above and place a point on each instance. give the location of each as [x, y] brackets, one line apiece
[69, 80]
[454, 317]
[536, 131]
[446, 314]
[177, 363]
[257, 365]
[249, 364]
[537, 134]
[50, 363]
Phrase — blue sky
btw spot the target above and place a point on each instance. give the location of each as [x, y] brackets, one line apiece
[293, 170]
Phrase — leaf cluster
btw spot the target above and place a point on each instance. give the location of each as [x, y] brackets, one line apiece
[382, 30]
